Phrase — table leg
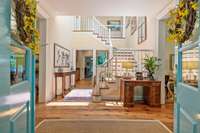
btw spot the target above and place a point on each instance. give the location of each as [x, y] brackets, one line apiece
[129, 95]
[70, 82]
[63, 86]
[55, 86]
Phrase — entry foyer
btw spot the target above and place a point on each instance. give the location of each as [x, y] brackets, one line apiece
[99, 66]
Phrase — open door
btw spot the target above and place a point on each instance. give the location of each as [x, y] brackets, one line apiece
[187, 110]
[17, 80]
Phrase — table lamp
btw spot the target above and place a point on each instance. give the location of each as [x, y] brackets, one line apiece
[190, 65]
[128, 66]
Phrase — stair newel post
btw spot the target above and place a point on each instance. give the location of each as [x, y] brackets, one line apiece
[87, 23]
[93, 24]
[110, 44]
[109, 37]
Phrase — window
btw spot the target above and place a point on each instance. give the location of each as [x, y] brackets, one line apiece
[190, 67]
[17, 65]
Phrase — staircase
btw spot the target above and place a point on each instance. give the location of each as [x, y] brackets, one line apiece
[109, 74]
[91, 24]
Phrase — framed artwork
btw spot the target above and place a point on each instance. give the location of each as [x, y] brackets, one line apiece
[142, 29]
[133, 23]
[61, 57]
[114, 25]
[102, 56]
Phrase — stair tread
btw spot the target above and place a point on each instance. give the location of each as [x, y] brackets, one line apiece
[96, 94]
[104, 88]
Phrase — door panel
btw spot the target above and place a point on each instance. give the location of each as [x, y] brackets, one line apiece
[187, 111]
[19, 122]
[16, 104]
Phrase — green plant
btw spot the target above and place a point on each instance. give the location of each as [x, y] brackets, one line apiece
[151, 64]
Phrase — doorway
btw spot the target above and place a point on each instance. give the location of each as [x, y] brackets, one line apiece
[41, 60]
[84, 68]
[166, 70]
[88, 67]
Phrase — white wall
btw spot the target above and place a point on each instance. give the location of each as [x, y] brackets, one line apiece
[42, 60]
[132, 41]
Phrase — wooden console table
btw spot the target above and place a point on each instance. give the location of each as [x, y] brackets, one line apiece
[152, 91]
[63, 75]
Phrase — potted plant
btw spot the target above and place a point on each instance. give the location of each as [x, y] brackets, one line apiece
[151, 64]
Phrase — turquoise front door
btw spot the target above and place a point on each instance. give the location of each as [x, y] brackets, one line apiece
[187, 106]
[16, 79]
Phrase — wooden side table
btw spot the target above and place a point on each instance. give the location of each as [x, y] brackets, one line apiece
[63, 75]
[152, 91]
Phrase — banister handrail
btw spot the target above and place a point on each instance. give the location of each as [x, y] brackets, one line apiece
[92, 24]
[106, 62]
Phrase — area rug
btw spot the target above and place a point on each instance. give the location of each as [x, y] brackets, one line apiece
[79, 95]
[101, 126]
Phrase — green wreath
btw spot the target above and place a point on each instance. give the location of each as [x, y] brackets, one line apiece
[182, 21]
[26, 23]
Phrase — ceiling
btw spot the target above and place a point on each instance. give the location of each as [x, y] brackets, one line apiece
[104, 7]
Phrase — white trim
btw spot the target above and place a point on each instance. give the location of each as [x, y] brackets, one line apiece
[162, 15]
[42, 12]
[164, 126]
[36, 127]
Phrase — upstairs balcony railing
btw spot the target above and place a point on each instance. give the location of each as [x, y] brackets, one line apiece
[91, 24]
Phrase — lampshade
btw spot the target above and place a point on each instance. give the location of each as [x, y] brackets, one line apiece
[190, 65]
[127, 65]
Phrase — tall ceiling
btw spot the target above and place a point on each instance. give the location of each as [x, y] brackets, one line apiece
[104, 7]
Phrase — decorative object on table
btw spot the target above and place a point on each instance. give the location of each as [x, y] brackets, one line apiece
[61, 57]
[128, 66]
[26, 17]
[151, 64]
[139, 76]
[182, 21]
[142, 29]
[60, 69]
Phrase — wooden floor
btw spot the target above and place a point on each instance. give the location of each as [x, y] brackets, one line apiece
[101, 111]
[104, 110]
[84, 84]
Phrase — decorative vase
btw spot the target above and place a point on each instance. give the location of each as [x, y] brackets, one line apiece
[150, 76]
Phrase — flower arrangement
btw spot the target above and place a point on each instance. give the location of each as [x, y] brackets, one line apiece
[182, 21]
[26, 23]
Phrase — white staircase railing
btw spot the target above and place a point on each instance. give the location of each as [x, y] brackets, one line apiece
[109, 73]
[91, 24]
